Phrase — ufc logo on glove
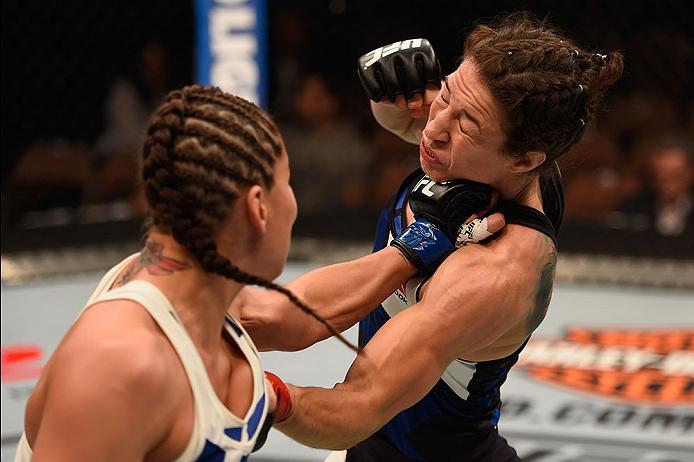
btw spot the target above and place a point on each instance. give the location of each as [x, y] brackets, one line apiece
[394, 47]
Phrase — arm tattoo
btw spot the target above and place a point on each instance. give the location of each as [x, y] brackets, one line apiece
[542, 293]
[152, 259]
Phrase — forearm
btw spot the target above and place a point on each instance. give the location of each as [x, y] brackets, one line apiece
[398, 122]
[330, 418]
[394, 371]
[345, 292]
[342, 294]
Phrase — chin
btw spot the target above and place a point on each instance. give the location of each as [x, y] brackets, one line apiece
[433, 174]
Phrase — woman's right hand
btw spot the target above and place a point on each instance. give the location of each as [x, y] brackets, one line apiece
[402, 79]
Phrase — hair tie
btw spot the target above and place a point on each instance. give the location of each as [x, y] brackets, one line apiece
[510, 53]
[580, 88]
[574, 54]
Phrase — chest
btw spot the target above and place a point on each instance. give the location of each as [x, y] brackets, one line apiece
[219, 411]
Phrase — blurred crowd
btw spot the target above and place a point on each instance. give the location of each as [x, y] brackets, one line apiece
[74, 176]
[634, 169]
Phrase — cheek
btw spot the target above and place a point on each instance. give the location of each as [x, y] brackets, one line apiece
[473, 163]
[292, 205]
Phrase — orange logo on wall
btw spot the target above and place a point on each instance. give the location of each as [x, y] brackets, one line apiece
[21, 362]
[649, 366]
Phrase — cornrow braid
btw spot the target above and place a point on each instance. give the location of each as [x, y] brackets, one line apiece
[202, 146]
[547, 87]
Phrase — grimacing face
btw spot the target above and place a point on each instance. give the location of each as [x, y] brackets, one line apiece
[463, 137]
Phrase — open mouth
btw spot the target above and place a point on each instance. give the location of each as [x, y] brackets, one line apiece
[426, 154]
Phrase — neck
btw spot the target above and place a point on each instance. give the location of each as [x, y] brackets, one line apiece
[522, 190]
[200, 299]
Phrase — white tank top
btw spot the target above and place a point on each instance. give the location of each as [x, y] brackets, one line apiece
[218, 435]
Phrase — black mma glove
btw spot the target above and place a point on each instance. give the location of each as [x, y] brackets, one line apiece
[449, 205]
[442, 211]
[400, 68]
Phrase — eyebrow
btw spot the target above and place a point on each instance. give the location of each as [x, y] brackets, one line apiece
[467, 114]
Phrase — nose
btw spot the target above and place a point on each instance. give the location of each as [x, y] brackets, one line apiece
[436, 128]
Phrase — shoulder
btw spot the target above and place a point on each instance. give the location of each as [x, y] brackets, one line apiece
[481, 292]
[497, 273]
[107, 383]
[104, 352]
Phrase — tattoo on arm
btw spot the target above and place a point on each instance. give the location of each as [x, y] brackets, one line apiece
[542, 293]
[152, 259]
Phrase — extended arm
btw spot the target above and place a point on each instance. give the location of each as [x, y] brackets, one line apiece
[342, 294]
[404, 360]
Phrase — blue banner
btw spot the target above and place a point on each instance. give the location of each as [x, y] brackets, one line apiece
[232, 47]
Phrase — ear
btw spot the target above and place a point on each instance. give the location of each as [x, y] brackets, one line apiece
[529, 161]
[256, 208]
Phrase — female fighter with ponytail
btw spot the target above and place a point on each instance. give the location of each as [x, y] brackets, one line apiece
[426, 386]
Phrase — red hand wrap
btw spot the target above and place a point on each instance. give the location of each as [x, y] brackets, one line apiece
[283, 409]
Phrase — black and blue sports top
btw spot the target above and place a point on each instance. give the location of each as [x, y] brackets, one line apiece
[467, 394]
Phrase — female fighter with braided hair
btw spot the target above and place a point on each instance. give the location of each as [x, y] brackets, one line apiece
[155, 367]
[426, 386]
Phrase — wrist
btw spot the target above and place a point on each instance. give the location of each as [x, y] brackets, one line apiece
[405, 266]
[424, 245]
[392, 119]
[284, 402]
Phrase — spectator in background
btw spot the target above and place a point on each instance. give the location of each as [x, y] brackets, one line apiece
[290, 42]
[666, 203]
[330, 160]
[49, 174]
[126, 112]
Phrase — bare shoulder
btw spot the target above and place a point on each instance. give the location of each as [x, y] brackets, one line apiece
[511, 257]
[106, 379]
[510, 277]
[116, 347]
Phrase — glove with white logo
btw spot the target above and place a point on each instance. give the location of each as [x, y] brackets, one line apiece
[445, 213]
[400, 68]
[452, 206]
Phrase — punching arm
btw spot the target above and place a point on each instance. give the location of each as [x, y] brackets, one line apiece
[407, 356]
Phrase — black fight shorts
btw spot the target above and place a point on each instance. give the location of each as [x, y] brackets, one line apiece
[478, 445]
